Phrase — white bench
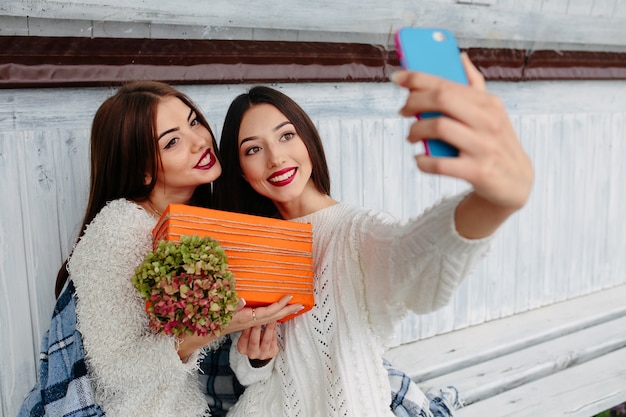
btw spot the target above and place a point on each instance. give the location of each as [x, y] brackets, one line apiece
[566, 359]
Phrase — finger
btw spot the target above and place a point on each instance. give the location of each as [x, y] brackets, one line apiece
[460, 102]
[469, 104]
[421, 87]
[451, 131]
[474, 77]
[414, 80]
[451, 167]
[277, 310]
[244, 318]
[254, 343]
[269, 342]
[269, 336]
[242, 343]
[283, 301]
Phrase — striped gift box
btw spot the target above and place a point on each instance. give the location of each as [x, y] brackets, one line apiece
[270, 258]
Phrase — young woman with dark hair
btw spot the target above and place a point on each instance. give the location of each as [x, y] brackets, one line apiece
[370, 268]
[150, 147]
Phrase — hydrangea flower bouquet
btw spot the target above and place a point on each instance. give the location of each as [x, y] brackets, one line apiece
[187, 286]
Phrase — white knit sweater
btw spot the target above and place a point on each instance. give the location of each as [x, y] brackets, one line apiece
[134, 371]
[369, 269]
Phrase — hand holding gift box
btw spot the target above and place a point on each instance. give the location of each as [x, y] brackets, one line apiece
[269, 258]
[187, 286]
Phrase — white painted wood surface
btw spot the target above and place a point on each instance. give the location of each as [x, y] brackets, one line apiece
[483, 342]
[580, 391]
[550, 361]
[536, 24]
[570, 240]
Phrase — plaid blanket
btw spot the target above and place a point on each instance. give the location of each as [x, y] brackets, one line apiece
[218, 381]
[222, 388]
[63, 388]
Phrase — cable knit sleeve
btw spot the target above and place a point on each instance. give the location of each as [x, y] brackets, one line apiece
[240, 364]
[135, 372]
[415, 265]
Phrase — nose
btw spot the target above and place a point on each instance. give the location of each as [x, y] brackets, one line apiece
[275, 158]
[199, 142]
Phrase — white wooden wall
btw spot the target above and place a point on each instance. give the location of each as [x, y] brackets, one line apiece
[531, 24]
[569, 240]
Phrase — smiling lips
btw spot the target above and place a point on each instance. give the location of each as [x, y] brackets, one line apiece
[206, 161]
[282, 177]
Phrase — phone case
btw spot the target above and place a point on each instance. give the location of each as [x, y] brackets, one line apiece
[432, 51]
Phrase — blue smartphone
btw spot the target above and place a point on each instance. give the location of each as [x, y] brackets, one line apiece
[432, 51]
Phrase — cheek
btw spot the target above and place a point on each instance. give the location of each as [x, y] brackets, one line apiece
[170, 167]
[249, 171]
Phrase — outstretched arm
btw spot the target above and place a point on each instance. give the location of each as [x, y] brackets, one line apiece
[490, 158]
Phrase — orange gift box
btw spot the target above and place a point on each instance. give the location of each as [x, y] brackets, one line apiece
[269, 258]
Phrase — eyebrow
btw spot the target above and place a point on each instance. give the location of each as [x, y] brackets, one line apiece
[286, 122]
[174, 129]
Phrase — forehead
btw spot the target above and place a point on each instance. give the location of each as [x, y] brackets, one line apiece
[260, 119]
[171, 109]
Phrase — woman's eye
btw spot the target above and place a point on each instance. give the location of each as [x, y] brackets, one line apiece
[252, 150]
[287, 136]
[171, 143]
[194, 122]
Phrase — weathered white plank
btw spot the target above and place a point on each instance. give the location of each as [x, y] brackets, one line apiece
[14, 26]
[532, 129]
[487, 379]
[393, 134]
[351, 161]
[620, 9]
[18, 350]
[43, 253]
[581, 391]
[373, 174]
[331, 137]
[524, 238]
[554, 6]
[498, 22]
[604, 7]
[466, 347]
[32, 109]
[598, 125]
[615, 228]
[581, 7]
[71, 156]
[64, 27]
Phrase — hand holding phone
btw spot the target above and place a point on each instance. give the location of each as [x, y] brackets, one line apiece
[435, 52]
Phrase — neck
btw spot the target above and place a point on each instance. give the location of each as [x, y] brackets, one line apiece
[153, 210]
[304, 206]
[158, 200]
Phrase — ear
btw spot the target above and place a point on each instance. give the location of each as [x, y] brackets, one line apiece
[147, 179]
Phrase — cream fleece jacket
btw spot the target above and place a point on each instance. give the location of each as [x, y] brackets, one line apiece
[134, 371]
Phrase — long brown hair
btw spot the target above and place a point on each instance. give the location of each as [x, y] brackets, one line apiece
[232, 192]
[124, 149]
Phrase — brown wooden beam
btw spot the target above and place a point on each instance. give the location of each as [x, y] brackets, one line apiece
[69, 61]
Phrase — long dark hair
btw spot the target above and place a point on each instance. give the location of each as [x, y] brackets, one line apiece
[232, 192]
[124, 149]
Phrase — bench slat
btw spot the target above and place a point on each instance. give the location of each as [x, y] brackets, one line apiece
[446, 353]
[580, 391]
[490, 378]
